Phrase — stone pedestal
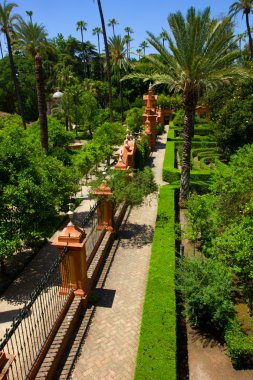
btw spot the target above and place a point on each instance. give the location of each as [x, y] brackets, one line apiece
[105, 210]
[74, 266]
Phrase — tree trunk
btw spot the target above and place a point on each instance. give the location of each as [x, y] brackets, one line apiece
[186, 160]
[107, 55]
[15, 80]
[1, 49]
[249, 34]
[3, 268]
[100, 64]
[121, 99]
[67, 123]
[42, 106]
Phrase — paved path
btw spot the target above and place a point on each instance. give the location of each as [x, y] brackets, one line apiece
[109, 351]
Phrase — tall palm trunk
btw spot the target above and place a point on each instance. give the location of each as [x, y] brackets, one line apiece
[121, 98]
[107, 55]
[249, 34]
[1, 49]
[42, 106]
[15, 80]
[100, 64]
[189, 102]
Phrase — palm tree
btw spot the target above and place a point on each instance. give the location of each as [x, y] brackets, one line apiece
[138, 51]
[107, 56]
[127, 40]
[6, 22]
[30, 14]
[82, 26]
[144, 46]
[119, 62]
[246, 7]
[201, 55]
[163, 37]
[31, 38]
[97, 31]
[112, 22]
[128, 30]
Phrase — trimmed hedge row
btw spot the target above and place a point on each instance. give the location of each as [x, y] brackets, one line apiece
[156, 357]
[203, 161]
[172, 174]
[195, 152]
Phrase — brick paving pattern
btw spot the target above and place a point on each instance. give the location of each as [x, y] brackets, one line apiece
[109, 350]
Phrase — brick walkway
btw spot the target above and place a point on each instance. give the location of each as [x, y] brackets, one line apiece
[109, 350]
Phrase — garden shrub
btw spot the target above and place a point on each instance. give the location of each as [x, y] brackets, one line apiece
[156, 357]
[239, 345]
[142, 152]
[159, 129]
[178, 117]
[200, 175]
[170, 173]
[134, 119]
[205, 286]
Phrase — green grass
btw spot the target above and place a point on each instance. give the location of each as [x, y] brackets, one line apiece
[156, 358]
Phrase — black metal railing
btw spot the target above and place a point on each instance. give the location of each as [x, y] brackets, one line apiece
[29, 332]
[91, 215]
[90, 223]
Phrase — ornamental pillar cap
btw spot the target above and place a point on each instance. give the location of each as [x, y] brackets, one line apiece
[103, 189]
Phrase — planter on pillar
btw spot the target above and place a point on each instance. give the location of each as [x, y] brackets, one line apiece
[105, 208]
[74, 266]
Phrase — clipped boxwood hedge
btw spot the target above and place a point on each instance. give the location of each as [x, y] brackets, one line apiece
[203, 162]
[196, 151]
[156, 357]
[170, 173]
[239, 346]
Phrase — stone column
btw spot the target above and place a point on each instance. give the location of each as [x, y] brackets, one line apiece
[74, 266]
[105, 209]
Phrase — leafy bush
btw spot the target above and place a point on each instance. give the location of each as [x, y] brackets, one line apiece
[234, 127]
[134, 119]
[167, 101]
[142, 152]
[57, 134]
[239, 345]
[205, 286]
[178, 117]
[159, 129]
[10, 121]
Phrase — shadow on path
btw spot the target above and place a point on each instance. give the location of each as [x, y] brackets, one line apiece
[136, 235]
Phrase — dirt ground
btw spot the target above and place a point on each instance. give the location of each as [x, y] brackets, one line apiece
[207, 359]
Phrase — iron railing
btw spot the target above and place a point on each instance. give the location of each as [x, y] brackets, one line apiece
[90, 223]
[29, 332]
[91, 215]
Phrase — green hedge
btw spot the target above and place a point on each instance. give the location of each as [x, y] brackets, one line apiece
[170, 174]
[239, 346]
[203, 162]
[200, 175]
[156, 357]
[195, 152]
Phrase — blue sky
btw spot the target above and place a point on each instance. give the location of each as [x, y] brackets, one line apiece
[60, 16]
